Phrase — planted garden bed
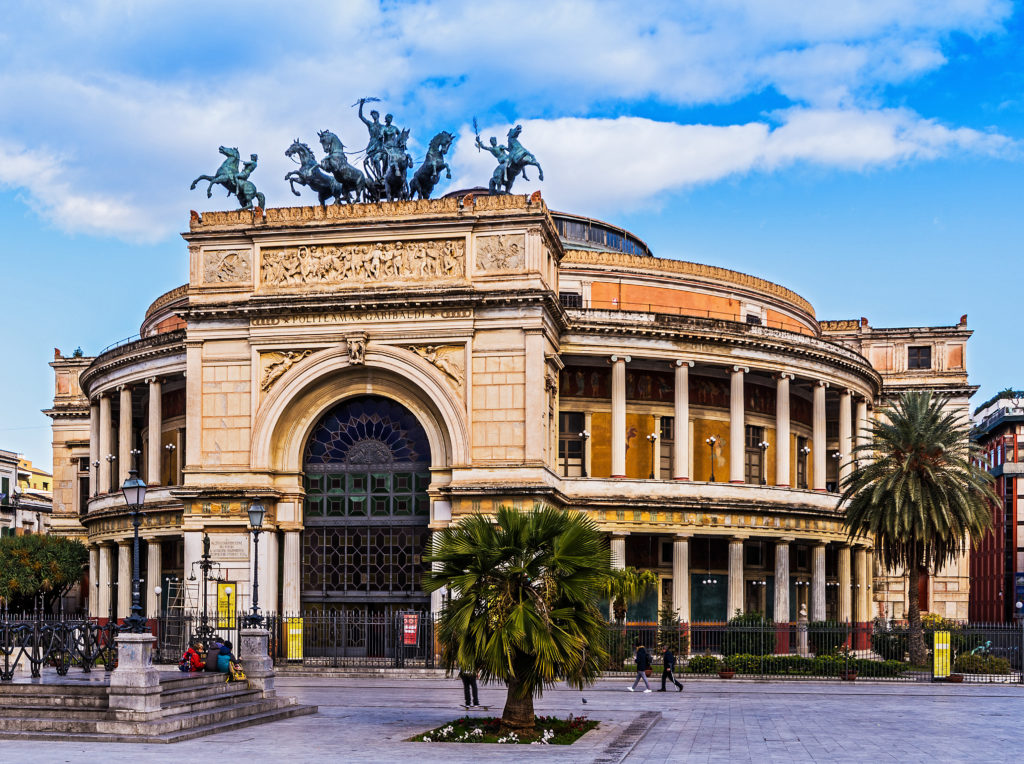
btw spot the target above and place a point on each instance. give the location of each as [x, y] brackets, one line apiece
[550, 730]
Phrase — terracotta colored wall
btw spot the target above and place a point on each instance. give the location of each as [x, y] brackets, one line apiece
[601, 445]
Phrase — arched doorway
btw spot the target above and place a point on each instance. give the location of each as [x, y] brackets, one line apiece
[366, 470]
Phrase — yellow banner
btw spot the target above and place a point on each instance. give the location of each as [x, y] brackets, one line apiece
[293, 628]
[227, 604]
[940, 669]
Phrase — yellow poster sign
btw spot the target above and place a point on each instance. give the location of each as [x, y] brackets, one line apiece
[293, 630]
[940, 669]
[227, 604]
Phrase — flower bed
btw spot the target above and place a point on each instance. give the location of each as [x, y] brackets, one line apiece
[550, 731]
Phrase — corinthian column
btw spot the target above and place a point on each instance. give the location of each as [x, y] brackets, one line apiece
[736, 429]
[619, 415]
[154, 446]
[681, 444]
[782, 430]
[818, 437]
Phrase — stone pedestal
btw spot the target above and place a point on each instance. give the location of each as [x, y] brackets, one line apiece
[801, 633]
[254, 656]
[135, 683]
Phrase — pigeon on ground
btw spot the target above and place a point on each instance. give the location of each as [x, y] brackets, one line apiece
[584, 701]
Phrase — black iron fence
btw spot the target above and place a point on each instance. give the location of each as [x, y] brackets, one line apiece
[62, 642]
[827, 650]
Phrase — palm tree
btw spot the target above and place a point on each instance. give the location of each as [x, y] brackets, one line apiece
[523, 610]
[917, 494]
[626, 586]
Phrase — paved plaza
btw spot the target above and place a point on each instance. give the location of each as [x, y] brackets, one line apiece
[367, 720]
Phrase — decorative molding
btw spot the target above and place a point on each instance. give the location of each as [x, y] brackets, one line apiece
[448, 359]
[425, 260]
[504, 252]
[356, 348]
[227, 266]
[276, 363]
[650, 264]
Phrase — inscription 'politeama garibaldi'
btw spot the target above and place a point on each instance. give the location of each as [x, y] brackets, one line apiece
[380, 261]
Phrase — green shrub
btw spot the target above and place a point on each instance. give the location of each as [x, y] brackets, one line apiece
[981, 664]
[889, 643]
[748, 633]
[826, 637]
[672, 633]
[704, 664]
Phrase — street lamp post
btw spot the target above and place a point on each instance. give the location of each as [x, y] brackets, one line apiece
[134, 491]
[584, 436]
[205, 632]
[711, 446]
[256, 514]
[652, 439]
[763, 445]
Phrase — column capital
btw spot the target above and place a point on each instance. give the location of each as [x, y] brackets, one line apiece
[625, 358]
[124, 386]
[619, 534]
[821, 383]
[785, 539]
[785, 375]
[683, 536]
[737, 537]
[152, 380]
[681, 362]
[740, 369]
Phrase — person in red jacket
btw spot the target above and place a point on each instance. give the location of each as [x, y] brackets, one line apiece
[191, 660]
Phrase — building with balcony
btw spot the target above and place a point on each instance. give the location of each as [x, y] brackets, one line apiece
[997, 563]
[371, 373]
[24, 503]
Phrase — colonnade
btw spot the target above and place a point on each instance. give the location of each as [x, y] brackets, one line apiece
[737, 423]
[102, 430]
[854, 574]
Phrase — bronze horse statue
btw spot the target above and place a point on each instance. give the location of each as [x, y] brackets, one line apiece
[351, 179]
[426, 177]
[236, 182]
[310, 174]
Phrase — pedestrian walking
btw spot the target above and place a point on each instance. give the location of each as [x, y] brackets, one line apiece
[643, 662]
[469, 688]
[668, 666]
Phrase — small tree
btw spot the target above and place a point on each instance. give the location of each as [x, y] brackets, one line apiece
[671, 633]
[917, 495]
[626, 586]
[523, 609]
[39, 566]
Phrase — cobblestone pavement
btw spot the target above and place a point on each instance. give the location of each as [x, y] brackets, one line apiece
[367, 720]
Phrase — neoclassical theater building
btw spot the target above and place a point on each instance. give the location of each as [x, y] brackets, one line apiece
[371, 373]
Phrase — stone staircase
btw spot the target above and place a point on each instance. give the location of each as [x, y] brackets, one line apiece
[191, 706]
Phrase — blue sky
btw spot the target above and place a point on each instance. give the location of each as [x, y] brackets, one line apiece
[865, 154]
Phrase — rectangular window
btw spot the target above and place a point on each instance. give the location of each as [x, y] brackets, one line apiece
[5, 489]
[801, 462]
[919, 357]
[570, 299]
[753, 554]
[571, 443]
[668, 426]
[753, 455]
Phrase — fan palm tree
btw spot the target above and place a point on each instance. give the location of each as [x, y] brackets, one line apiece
[523, 609]
[626, 586]
[917, 494]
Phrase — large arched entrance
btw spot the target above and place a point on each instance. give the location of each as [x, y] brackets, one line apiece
[366, 470]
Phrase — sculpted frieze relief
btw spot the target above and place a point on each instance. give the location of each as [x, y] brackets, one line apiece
[321, 264]
[227, 267]
[450, 360]
[504, 252]
[275, 364]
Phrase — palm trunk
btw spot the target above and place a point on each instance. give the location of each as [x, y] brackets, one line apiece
[518, 713]
[918, 652]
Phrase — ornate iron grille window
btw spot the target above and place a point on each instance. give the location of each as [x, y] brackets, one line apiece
[367, 469]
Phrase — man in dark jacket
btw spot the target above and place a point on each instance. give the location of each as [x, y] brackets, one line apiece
[643, 662]
[667, 667]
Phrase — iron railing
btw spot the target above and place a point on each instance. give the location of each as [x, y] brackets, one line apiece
[823, 650]
[61, 642]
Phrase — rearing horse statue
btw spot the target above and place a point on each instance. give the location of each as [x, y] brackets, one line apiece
[426, 177]
[352, 181]
[235, 181]
[518, 159]
[310, 174]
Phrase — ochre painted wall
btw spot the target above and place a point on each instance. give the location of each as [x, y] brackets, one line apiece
[601, 445]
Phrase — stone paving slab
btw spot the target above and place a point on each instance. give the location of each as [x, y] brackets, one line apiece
[368, 720]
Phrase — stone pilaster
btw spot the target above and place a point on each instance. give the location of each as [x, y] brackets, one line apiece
[291, 601]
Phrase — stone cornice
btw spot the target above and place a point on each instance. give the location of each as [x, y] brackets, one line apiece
[178, 293]
[726, 333]
[622, 263]
[157, 346]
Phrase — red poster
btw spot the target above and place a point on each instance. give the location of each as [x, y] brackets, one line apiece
[411, 627]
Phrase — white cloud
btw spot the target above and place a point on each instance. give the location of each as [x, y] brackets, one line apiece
[600, 165]
[112, 109]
